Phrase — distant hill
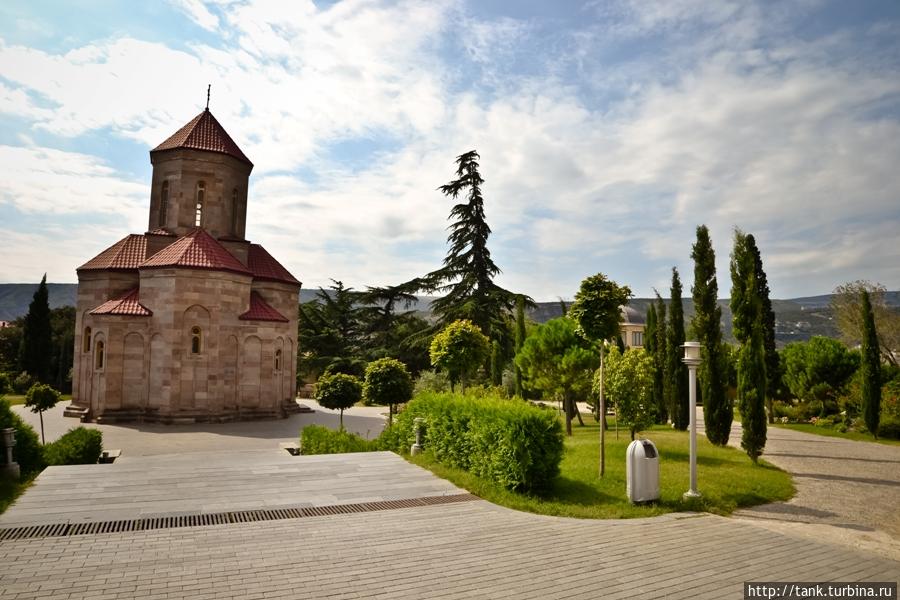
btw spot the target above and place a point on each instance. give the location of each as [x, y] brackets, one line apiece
[796, 319]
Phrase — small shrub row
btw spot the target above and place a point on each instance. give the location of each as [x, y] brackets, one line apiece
[27, 452]
[78, 446]
[315, 439]
[509, 442]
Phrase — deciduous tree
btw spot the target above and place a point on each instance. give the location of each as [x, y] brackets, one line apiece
[629, 385]
[338, 391]
[41, 397]
[459, 349]
[847, 306]
[387, 382]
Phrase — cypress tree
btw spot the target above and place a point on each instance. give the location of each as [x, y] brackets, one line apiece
[36, 346]
[870, 367]
[520, 340]
[718, 412]
[496, 364]
[659, 370]
[746, 309]
[773, 367]
[676, 370]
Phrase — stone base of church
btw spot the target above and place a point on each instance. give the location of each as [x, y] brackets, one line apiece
[181, 417]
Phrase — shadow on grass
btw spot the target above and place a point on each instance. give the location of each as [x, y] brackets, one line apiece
[572, 491]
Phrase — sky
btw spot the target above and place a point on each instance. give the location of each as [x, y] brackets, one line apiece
[608, 130]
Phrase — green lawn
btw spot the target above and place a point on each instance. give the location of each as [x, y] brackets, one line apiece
[829, 432]
[20, 398]
[726, 478]
[10, 490]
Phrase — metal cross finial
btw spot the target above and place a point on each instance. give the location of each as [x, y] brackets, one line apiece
[208, 88]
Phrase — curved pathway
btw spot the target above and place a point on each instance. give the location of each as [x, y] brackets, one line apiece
[847, 491]
[470, 549]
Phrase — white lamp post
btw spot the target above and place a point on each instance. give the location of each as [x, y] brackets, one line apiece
[692, 360]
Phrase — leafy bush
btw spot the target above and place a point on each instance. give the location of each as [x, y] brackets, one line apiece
[509, 442]
[78, 446]
[315, 439]
[22, 382]
[431, 381]
[27, 452]
[819, 368]
[889, 428]
[459, 349]
[5, 383]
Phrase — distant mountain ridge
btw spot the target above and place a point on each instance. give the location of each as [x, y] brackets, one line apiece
[796, 318]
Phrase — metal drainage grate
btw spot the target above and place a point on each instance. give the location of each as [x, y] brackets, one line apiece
[244, 516]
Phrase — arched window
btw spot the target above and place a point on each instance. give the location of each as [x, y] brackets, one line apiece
[278, 360]
[234, 211]
[196, 340]
[198, 214]
[86, 340]
[99, 355]
[163, 203]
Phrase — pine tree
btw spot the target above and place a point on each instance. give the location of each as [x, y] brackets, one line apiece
[773, 368]
[659, 375]
[746, 309]
[467, 277]
[676, 370]
[37, 336]
[870, 367]
[718, 412]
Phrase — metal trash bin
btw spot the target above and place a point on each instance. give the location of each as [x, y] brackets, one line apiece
[642, 471]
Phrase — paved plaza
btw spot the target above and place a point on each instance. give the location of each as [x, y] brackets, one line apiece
[462, 549]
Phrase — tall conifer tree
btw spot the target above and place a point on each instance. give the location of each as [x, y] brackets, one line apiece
[676, 370]
[773, 368]
[520, 340]
[37, 336]
[718, 412]
[870, 367]
[746, 309]
[659, 371]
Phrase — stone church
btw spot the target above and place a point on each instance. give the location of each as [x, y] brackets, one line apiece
[189, 321]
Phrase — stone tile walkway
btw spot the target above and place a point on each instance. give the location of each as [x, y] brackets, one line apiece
[212, 482]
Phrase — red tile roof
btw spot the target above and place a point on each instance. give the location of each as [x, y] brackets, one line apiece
[204, 132]
[125, 255]
[127, 304]
[261, 311]
[266, 268]
[196, 250]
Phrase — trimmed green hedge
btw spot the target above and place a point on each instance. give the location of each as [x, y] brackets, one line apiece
[78, 446]
[509, 442]
[315, 439]
[27, 451]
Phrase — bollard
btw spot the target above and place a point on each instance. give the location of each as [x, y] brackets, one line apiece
[11, 467]
[417, 447]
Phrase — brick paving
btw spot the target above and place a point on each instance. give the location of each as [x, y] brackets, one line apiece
[467, 550]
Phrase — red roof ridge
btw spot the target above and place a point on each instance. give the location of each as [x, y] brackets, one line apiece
[204, 132]
[127, 305]
[266, 268]
[125, 255]
[160, 231]
[260, 310]
[196, 250]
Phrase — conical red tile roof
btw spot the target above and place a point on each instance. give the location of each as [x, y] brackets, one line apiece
[265, 267]
[261, 311]
[204, 132]
[125, 255]
[196, 250]
[127, 305]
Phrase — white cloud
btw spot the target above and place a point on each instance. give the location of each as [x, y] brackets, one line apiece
[198, 13]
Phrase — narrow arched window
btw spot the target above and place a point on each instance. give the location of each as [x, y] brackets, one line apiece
[278, 360]
[163, 203]
[99, 355]
[86, 340]
[198, 213]
[196, 340]
[234, 211]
